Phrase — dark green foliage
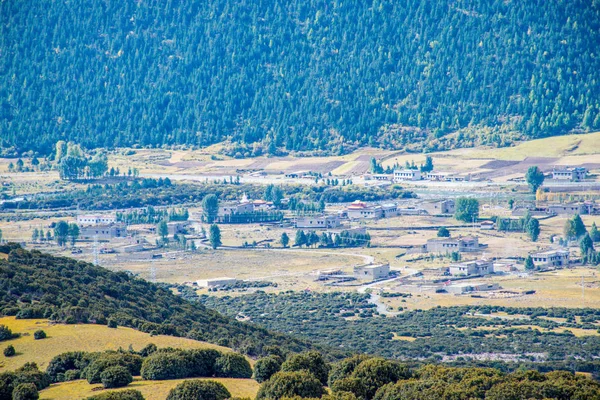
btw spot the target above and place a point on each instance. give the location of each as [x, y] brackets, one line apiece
[533, 229]
[529, 265]
[204, 390]
[39, 334]
[438, 332]
[202, 362]
[6, 333]
[129, 394]
[115, 377]
[266, 367]
[369, 375]
[148, 349]
[311, 361]
[9, 351]
[29, 373]
[574, 227]
[345, 368]
[71, 361]
[132, 362]
[112, 323]
[534, 178]
[57, 285]
[291, 384]
[164, 365]
[210, 208]
[232, 365]
[595, 233]
[467, 209]
[443, 232]
[152, 81]
[25, 391]
[214, 236]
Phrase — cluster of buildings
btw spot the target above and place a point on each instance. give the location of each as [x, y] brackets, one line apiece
[460, 244]
[408, 174]
[540, 209]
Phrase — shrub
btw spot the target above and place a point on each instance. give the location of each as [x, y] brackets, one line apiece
[9, 351]
[345, 368]
[132, 362]
[205, 390]
[25, 391]
[112, 323]
[311, 361]
[266, 367]
[6, 333]
[291, 384]
[233, 365]
[74, 360]
[115, 377]
[375, 373]
[71, 375]
[201, 362]
[162, 365]
[148, 349]
[120, 395]
[39, 334]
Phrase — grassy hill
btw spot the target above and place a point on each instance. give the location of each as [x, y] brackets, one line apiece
[38, 285]
[79, 337]
[298, 75]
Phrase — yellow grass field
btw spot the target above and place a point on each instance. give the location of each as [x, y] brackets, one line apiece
[151, 390]
[79, 337]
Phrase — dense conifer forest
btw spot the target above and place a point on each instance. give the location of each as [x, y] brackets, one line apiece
[296, 75]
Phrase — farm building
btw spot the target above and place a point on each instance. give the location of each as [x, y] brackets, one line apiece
[551, 258]
[102, 232]
[361, 210]
[216, 282]
[463, 288]
[318, 222]
[569, 174]
[96, 219]
[468, 268]
[372, 272]
[437, 207]
[407, 175]
[450, 245]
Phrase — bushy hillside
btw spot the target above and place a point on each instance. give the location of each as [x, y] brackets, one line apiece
[296, 74]
[37, 285]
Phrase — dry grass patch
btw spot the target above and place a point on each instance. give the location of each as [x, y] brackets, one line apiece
[79, 337]
[151, 390]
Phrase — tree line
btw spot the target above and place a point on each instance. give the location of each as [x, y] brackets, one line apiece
[277, 77]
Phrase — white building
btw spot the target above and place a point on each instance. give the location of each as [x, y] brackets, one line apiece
[407, 175]
[468, 268]
[372, 272]
[569, 174]
[318, 222]
[96, 219]
[551, 258]
[216, 282]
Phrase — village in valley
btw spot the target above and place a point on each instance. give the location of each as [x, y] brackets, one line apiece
[415, 230]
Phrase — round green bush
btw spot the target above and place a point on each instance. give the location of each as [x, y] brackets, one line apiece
[204, 390]
[120, 395]
[25, 391]
[311, 361]
[115, 377]
[233, 365]
[9, 351]
[201, 362]
[266, 367]
[112, 323]
[132, 362]
[291, 384]
[162, 365]
[39, 334]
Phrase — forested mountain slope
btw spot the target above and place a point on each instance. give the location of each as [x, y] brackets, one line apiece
[38, 285]
[297, 75]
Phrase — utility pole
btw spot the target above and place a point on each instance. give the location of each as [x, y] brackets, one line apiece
[96, 260]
